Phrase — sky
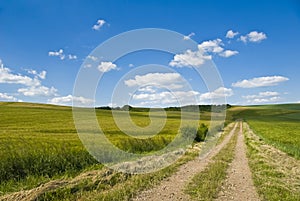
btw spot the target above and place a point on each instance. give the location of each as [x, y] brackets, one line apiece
[254, 46]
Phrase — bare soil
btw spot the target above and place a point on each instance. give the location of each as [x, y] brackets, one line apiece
[239, 184]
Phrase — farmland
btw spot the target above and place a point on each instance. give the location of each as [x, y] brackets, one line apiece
[39, 142]
[39, 145]
[277, 125]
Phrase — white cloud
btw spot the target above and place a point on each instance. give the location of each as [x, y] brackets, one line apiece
[188, 37]
[72, 57]
[131, 65]
[59, 53]
[34, 85]
[216, 46]
[6, 97]
[264, 100]
[7, 77]
[189, 59]
[41, 75]
[231, 34]
[93, 58]
[197, 58]
[166, 98]
[260, 82]
[149, 89]
[228, 53]
[262, 95]
[99, 24]
[212, 46]
[106, 66]
[162, 80]
[244, 39]
[65, 100]
[38, 91]
[221, 92]
[189, 97]
[254, 37]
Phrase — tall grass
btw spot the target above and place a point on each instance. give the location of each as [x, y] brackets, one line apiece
[39, 142]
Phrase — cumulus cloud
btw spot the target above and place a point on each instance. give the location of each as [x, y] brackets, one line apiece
[197, 58]
[99, 24]
[150, 96]
[66, 100]
[38, 91]
[228, 53]
[161, 89]
[167, 98]
[59, 53]
[6, 97]
[189, 59]
[264, 100]
[231, 34]
[163, 80]
[260, 82]
[7, 77]
[33, 86]
[221, 92]
[188, 37]
[106, 66]
[149, 89]
[263, 97]
[254, 37]
[214, 46]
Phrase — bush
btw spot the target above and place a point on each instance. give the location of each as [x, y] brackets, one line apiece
[197, 134]
[201, 133]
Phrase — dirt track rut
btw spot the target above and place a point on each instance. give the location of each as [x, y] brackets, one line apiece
[172, 187]
[239, 184]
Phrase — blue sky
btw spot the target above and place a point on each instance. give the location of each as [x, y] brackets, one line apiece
[254, 45]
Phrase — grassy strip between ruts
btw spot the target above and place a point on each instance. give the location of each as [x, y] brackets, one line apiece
[206, 185]
[276, 175]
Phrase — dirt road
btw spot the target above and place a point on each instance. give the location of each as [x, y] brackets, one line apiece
[239, 184]
[172, 188]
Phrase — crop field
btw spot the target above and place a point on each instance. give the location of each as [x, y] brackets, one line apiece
[39, 142]
[278, 125]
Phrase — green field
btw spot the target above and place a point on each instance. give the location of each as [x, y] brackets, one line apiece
[39, 143]
[278, 125]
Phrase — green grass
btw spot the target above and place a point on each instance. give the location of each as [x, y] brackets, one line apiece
[272, 173]
[39, 142]
[277, 125]
[207, 184]
[116, 186]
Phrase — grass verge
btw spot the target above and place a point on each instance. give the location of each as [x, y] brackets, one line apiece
[276, 175]
[206, 185]
[114, 185]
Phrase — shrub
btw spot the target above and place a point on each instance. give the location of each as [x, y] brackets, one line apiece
[201, 133]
